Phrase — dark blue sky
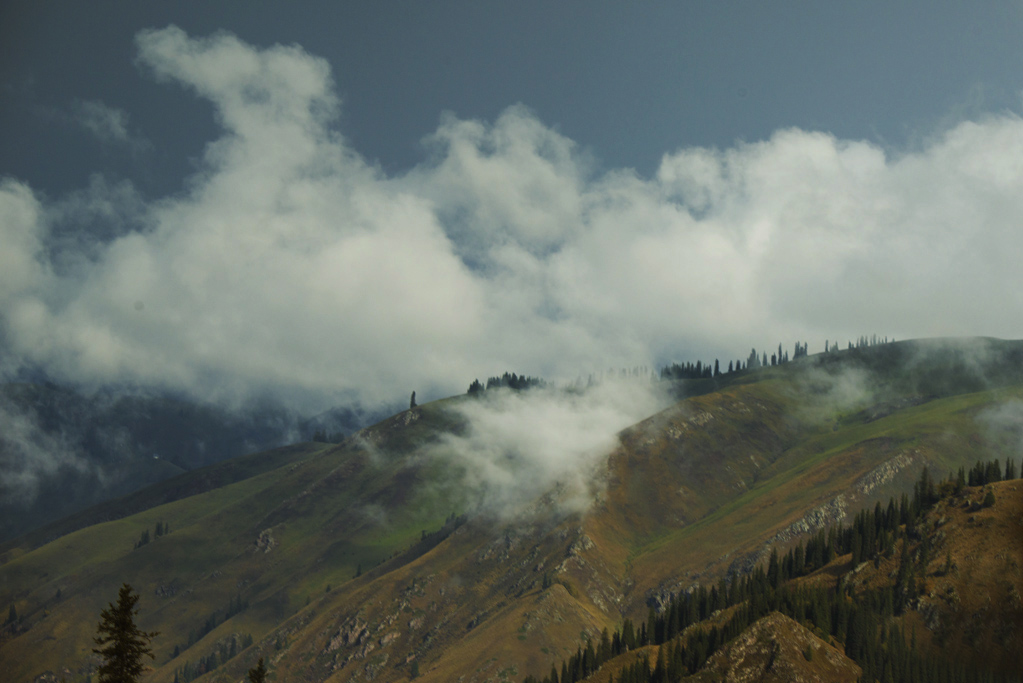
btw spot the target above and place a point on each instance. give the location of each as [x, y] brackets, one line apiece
[628, 82]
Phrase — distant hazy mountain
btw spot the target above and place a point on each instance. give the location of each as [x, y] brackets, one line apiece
[62, 450]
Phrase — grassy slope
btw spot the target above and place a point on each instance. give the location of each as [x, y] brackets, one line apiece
[183, 485]
[112, 436]
[693, 527]
[325, 509]
[690, 490]
[88, 565]
[969, 607]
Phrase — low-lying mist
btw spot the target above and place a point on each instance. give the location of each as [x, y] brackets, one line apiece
[521, 447]
[1004, 422]
[822, 393]
[30, 454]
[889, 375]
[63, 449]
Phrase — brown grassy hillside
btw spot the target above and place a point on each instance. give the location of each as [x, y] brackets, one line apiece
[969, 577]
[352, 566]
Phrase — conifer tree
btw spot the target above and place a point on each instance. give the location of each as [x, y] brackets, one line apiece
[661, 670]
[122, 644]
[258, 675]
[773, 571]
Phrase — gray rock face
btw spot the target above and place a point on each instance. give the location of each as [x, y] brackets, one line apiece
[885, 472]
[266, 541]
[352, 632]
[823, 516]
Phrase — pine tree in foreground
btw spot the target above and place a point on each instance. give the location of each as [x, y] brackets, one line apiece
[258, 675]
[122, 644]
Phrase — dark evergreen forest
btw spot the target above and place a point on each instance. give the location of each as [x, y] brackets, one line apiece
[861, 621]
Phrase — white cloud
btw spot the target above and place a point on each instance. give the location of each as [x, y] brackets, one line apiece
[292, 265]
[21, 270]
[29, 455]
[518, 446]
[107, 123]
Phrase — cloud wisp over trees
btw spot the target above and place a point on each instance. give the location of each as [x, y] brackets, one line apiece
[523, 450]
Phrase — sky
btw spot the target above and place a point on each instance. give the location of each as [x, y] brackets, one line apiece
[351, 201]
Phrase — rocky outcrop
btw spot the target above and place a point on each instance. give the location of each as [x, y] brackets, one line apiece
[885, 472]
[167, 591]
[266, 541]
[776, 648]
[677, 428]
[351, 633]
[826, 515]
[821, 517]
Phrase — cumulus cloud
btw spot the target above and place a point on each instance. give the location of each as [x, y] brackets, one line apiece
[291, 265]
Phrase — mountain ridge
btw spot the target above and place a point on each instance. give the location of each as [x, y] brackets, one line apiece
[356, 544]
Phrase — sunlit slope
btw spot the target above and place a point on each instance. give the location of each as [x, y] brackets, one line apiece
[774, 650]
[709, 485]
[963, 608]
[694, 491]
[969, 604]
